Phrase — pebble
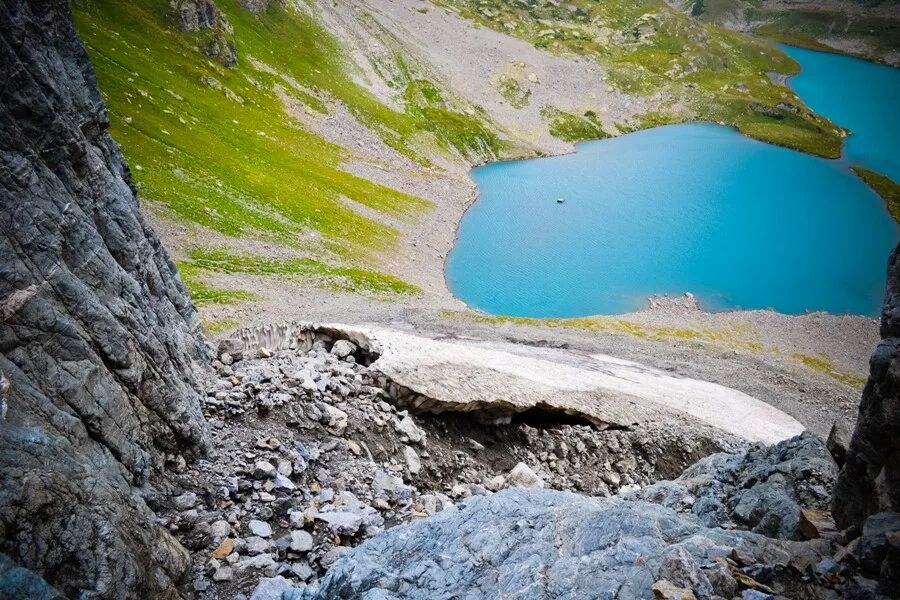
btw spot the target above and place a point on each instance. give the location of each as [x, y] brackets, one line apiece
[263, 470]
[260, 528]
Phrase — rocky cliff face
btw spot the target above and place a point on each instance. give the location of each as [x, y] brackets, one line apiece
[99, 344]
[870, 479]
[867, 495]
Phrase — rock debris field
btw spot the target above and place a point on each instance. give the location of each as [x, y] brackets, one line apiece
[310, 457]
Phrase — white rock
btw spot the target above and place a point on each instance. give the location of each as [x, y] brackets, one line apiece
[283, 483]
[264, 470]
[335, 417]
[223, 574]
[343, 348]
[341, 521]
[185, 501]
[301, 541]
[413, 463]
[495, 484]
[523, 476]
[256, 545]
[410, 430]
[260, 528]
[220, 528]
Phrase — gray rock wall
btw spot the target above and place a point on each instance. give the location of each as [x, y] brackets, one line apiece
[99, 344]
[869, 481]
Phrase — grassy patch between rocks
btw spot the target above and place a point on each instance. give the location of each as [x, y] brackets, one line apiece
[203, 294]
[732, 337]
[573, 128]
[824, 365]
[344, 279]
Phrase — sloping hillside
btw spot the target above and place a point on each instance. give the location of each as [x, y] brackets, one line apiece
[869, 29]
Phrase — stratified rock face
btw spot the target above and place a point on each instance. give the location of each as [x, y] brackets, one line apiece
[869, 482]
[99, 343]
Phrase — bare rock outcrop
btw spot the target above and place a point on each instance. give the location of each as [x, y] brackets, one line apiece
[867, 495]
[99, 345]
[259, 6]
[204, 15]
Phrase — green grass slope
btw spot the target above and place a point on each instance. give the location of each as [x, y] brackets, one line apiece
[216, 146]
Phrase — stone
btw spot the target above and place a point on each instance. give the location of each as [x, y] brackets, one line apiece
[536, 540]
[260, 528]
[838, 441]
[302, 571]
[390, 486]
[223, 574]
[666, 590]
[763, 489]
[301, 541]
[196, 15]
[185, 501]
[271, 588]
[755, 595]
[225, 547]
[408, 429]
[262, 562]
[869, 481]
[100, 346]
[264, 470]
[341, 521]
[334, 418]
[682, 569]
[523, 476]
[283, 483]
[413, 463]
[874, 542]
[496, 483]
[343, 348]
[255, 545]
[220, 528]
[816, 523]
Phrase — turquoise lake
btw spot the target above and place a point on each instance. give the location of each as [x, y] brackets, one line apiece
[693, 208]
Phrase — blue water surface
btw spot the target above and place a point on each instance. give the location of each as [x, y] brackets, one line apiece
[861, 96]
[685, 208]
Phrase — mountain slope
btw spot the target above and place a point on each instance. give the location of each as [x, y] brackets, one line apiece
[339, 134]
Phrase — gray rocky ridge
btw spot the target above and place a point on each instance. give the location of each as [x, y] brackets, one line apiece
[99, 344]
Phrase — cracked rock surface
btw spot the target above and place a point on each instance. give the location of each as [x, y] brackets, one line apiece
[99, 344]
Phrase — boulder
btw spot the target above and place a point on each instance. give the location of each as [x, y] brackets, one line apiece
[530, 543]
[764, 489]
[523, 476]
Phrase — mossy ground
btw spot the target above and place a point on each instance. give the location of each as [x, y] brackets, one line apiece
[884, 186]
[339, 278]
[573, 128]
[700, 71]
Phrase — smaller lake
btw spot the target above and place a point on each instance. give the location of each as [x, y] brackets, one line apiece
[861, 96]
[696, 207]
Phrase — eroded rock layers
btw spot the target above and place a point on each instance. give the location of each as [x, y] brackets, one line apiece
[99, 344]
